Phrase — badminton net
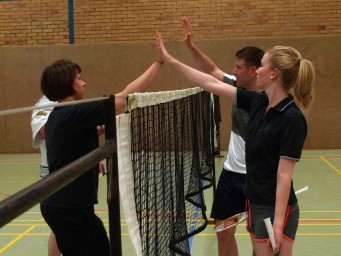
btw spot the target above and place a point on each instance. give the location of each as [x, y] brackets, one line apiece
[166, 147]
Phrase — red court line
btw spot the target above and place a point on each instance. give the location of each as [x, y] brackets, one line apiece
[100, 210]
[320, 220]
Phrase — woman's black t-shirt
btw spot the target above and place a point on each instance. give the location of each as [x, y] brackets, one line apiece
[70, 133]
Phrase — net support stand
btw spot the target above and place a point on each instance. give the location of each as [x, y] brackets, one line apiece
[113, 197]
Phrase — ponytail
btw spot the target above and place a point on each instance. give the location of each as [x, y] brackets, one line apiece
[297, 74]
[304, 84]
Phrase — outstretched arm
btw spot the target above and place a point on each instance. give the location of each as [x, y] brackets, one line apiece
[205, 81]
[140, 84]
[205, 63]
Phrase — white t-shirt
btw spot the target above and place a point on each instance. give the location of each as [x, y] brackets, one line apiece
[38, 120]
[235, 159]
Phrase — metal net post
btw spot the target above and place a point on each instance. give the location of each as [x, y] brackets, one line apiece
[113, 197]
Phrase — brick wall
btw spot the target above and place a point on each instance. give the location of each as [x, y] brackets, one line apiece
[46, 22]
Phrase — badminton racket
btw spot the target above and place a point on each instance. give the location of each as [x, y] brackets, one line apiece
[241, 217]
[231, 222]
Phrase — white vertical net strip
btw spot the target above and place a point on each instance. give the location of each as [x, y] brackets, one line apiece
[126, 179]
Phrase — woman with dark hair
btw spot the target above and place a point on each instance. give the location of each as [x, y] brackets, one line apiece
[70, 133]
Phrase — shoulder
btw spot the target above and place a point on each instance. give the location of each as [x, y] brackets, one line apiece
[43, 100]
[249, 95]
[85, 112]
[294, 120]
[43, 110]
[293, 112]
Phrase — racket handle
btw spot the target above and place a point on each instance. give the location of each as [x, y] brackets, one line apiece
[270, 230]
[302, 190]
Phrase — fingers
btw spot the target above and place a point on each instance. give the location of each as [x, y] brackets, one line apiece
[185, 24]
[100, 129]
[278, 244]
[187, 32]
[102, 169]
[275, 249]
[159, 45]
[159, 41]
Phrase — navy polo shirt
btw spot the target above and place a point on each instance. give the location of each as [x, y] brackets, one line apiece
[278, 133]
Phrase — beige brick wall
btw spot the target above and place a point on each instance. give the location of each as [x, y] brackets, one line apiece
[45, 22]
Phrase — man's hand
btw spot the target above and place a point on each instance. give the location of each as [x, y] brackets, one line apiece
[187, 32]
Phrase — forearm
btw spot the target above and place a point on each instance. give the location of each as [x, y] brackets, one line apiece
[205, 81]
[140, 84]
[205, 63]
[284, 177]
[41, 132]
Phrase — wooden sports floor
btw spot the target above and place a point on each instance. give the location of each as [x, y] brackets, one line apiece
[319, 231]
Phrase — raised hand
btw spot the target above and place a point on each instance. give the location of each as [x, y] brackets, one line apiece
[163, 54]
[187, 32]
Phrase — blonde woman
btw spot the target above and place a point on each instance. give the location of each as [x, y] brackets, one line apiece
[276, 133]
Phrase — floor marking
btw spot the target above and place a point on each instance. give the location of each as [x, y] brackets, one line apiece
[320, 220]
[322, 211]
[331, 165]
[200, 234]
[17, 239]
[298, 234]
[18, 161]
[317, 157]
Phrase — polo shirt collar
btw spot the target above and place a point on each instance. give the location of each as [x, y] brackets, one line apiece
[284, 103]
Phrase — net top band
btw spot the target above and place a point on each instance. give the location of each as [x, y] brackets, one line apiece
[140, 100]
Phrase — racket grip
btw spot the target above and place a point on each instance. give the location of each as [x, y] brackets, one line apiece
[270, 230]
[302, 190]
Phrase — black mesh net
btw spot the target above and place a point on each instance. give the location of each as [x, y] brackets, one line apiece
[172, 147]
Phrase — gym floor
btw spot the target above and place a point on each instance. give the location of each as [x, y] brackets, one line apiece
[319, 231]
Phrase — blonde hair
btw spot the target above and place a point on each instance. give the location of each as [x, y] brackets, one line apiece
[297, 74]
